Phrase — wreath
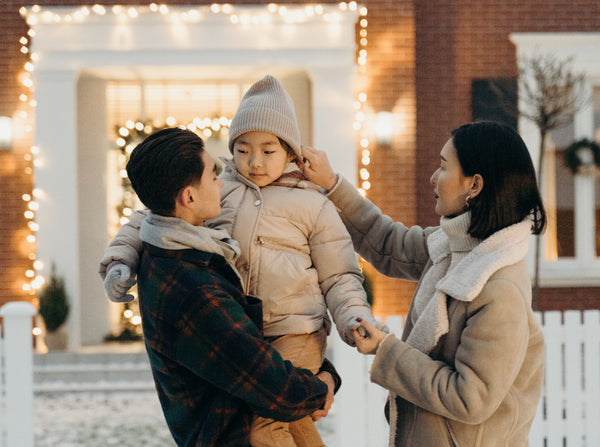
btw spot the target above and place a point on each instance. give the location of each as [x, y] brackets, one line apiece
[574, 160]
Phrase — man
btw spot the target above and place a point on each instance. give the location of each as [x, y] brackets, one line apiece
[212, 369]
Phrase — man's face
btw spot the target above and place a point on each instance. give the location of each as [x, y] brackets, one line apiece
[207, 192]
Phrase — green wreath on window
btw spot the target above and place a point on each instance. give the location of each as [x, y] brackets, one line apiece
[576, 160]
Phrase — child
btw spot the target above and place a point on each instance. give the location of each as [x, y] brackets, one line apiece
[296, 254]
[213, 370]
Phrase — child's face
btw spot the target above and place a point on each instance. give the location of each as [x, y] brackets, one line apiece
[260, 157]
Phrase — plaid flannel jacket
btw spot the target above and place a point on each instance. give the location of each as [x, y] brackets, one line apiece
[212, 369]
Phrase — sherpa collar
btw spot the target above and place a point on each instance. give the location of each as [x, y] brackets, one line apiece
[464, 282]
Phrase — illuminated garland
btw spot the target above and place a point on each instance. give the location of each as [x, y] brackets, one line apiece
[133, 132]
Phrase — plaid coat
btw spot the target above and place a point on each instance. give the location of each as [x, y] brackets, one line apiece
[212, 369]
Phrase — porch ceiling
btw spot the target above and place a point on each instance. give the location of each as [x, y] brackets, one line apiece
[186, 73]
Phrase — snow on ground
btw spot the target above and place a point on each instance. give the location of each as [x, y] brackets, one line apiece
[124, 419]
[100, 420]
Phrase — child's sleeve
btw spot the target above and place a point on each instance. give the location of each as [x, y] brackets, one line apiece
[126, 247]
[340, 277]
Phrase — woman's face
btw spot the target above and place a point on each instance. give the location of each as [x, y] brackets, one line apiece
[450, 186]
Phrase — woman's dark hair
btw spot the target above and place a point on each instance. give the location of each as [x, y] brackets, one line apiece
[510, 191]
[162, 165]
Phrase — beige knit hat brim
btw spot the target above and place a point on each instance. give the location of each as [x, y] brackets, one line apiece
[267, 107]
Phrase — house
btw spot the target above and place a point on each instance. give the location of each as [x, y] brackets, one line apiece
[377, 84]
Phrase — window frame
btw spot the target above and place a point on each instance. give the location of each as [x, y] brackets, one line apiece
[582, 270]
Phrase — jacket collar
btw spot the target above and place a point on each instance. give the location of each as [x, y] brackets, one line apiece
[464, 282]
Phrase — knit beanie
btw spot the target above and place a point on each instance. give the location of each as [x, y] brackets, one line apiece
[267, 107]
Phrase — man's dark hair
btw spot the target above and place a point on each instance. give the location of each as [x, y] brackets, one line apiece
[510, 192]
[162, 165]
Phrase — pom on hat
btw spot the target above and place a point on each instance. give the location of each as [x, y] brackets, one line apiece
[267, 107]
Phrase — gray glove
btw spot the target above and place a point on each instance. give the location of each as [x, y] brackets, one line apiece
[117, 282]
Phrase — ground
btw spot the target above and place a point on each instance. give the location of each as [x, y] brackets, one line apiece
[124, 419]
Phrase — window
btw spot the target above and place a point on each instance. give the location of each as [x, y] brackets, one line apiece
[495, 99]
[559, 196]
[571, 244]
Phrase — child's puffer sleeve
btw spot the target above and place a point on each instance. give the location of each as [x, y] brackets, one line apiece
[126, 247]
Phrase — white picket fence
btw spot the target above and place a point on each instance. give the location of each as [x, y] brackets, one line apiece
[16, 375]
[568, 414]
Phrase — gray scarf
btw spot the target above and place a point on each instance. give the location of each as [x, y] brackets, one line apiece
[172, 233]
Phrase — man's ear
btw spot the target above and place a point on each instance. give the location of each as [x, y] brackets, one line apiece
[186, 198]
[476, 185]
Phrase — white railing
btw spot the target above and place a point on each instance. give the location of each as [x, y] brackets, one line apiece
[16, 375]
[568, 414]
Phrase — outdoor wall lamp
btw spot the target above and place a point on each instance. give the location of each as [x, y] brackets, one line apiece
[384, 128]
[6, 133]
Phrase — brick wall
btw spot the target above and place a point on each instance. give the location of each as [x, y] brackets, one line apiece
[15, 169]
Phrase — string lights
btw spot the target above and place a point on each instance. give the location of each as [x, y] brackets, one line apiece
[271, 12]
[32, 279]
[360, 105]
[207, 127]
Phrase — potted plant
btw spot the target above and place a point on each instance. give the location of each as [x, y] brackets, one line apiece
[54, 310]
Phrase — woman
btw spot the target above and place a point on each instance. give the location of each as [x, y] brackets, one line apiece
[468, 368]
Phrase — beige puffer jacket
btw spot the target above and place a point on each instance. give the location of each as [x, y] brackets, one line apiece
[481, 384]
[296, 254]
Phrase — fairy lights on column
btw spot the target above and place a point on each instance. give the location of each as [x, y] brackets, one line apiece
[32, 279]
[360, 105]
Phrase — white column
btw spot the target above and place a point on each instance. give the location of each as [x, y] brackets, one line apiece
[56, 176]
[93, 148]
[333, 116]
[18, 373]
[585, 209]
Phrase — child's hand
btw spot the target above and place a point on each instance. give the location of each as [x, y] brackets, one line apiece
[317, 169]
[117, 282]
[369, 342]
[356, 323]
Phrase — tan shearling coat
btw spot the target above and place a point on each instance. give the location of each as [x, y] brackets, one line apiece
[480, 385]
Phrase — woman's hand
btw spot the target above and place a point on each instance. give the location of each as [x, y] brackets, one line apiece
[317, 169]
[367, 340]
